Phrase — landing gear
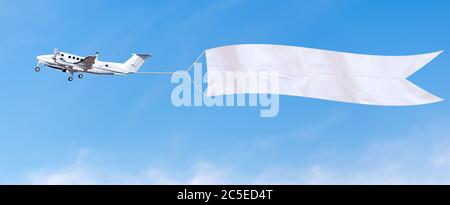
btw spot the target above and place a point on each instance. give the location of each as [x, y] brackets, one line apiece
[70, 78]
[37, 68]
[80, 76]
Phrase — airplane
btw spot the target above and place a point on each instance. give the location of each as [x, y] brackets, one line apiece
[70, 64]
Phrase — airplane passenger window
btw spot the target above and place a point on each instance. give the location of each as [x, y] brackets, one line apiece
[62, 54]
[106, 65]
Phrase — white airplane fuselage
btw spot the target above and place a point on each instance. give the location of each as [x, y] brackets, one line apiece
[98, 67]
[71, 64]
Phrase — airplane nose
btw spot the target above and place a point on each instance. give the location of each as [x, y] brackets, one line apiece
[40, 58]
[43, 58]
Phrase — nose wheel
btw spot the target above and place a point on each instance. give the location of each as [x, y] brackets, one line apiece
[37, 69]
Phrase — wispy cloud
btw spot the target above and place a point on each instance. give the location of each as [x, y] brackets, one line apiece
[75, 173]
[422, 158]
[80, 172]
[208, 173]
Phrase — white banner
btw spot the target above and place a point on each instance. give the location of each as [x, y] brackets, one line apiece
[315, 73]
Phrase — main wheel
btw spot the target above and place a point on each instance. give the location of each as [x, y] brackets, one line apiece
[80, 76]
[70, 78]
[37, 69]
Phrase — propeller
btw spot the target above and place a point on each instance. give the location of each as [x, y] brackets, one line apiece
[55, 53]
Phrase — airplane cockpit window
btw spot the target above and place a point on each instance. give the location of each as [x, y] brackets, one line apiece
[62, 54]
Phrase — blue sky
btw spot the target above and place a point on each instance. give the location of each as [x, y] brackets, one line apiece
[125, 130]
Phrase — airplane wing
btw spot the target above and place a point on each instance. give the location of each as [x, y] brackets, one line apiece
[87, 62]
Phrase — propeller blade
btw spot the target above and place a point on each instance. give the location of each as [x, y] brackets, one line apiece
[55, 52]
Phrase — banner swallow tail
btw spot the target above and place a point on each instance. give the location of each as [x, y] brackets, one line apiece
[316, 73]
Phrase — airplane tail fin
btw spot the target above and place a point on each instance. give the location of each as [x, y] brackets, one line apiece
[135, 62]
